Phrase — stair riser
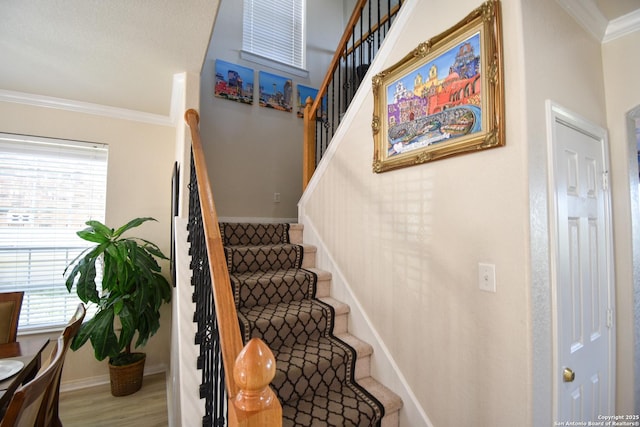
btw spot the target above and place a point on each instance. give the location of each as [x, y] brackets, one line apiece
[323, 287]
[264, 288]
[309, 260]
[263, 258]
[391, 420]
[299, 330]
[289, 387]
[340, 324]
[255, 234]
[295, 234]
[363, 367]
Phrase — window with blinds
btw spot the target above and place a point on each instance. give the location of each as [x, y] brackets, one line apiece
[49, 188]
[274, 29]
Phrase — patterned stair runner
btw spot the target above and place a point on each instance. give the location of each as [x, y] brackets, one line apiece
[276, 302]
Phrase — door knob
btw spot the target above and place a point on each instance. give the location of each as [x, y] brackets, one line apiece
[568, 375]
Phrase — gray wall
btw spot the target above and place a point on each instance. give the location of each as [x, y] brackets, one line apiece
[253, 152]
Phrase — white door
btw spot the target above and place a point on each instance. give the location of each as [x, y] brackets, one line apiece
[581, 268]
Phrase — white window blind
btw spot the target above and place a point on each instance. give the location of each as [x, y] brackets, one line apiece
[274, 29]
[49, 188]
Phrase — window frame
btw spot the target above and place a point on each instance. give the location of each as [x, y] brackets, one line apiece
[52, 183]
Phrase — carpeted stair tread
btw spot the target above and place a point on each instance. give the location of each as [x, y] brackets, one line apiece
[241, 259]
[253, 288]
[392, 402]
[363, 350]
[295, 233]
[315, 367]
[277, 299]
[341, 312]
[250, 234]
[347, 407]
[323, 281]
[285, 324]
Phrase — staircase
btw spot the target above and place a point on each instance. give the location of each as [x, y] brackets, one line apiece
[323, 372]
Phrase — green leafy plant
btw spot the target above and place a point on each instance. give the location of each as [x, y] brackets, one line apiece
[133, 289]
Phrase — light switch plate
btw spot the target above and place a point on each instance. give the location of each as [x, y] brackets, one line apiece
[487, 277]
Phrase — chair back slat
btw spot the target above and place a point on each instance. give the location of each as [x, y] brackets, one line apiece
[10, 305]
[26, 401]
[49, 413]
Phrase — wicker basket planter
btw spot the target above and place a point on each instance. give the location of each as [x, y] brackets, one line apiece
[127, 379]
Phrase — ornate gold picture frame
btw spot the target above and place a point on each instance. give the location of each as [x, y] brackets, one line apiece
[444, 98]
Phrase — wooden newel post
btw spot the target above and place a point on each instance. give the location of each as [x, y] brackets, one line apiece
[255, 405]
[309, 141]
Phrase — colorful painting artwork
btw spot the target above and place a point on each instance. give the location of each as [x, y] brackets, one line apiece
[276, 92]
[437, 102]
[302, 93]
[234, 82]
[444, 98]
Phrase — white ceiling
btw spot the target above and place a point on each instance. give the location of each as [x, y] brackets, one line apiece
[612, 9]
[124, 53]
[117, 53]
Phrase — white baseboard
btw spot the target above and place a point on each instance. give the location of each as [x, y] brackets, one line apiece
[104, 379]
[383, 365]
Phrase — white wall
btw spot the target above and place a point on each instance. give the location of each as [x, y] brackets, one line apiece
[138, 184]
[566, 65]
[408, 242]
[622, 96]
[185, 406]
[253, 152]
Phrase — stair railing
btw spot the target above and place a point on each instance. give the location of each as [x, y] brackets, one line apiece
[367, 27]
[245, 395]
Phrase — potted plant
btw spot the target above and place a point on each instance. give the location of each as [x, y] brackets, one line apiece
[132, 292]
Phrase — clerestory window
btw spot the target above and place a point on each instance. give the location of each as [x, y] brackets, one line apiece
[274, 30]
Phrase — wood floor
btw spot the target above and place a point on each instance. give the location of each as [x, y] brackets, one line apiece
[96, 407]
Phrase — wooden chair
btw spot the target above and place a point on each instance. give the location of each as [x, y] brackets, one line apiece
[49, 413]
[24, 406]
[10, 305]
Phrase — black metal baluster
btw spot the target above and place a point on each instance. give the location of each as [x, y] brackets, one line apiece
[350, 70]
[325, 124]
[340, 83]
[345, 86]
[212, 388]
[333, 105]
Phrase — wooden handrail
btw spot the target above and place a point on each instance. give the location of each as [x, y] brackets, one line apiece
[373, 28]
[336, 56]
[226, 314]
[309, 144]
[310, 112]
[313, 114]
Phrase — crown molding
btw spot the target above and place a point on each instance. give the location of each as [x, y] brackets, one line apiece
[587, 14]
[622, 26]
[84, 107]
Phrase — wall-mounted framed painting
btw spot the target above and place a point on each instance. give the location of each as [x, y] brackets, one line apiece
[275, 92]
[444, 98]
[233, 82]
[302, 93]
